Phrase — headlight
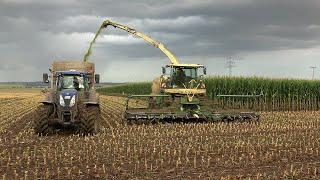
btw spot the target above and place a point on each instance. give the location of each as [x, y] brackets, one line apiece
[72, 101]
[62, 101]
[163, 85]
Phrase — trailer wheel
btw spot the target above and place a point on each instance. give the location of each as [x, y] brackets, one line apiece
[89, 120]
[41, 121]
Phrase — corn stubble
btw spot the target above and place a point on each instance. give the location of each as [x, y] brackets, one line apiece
[283, 144]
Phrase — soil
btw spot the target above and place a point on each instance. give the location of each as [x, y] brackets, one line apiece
[282, 145]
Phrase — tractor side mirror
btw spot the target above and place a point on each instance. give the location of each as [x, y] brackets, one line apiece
[205, 71]
[97, 78]
[163, 70]
[45, 78]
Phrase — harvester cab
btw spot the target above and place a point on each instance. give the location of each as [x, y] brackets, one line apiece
[184, 79]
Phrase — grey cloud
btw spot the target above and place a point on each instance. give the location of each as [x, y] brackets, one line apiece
[34, 32]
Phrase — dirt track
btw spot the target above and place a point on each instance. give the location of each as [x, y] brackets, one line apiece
[283, 144]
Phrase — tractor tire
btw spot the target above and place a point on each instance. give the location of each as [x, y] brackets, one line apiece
[89, 120]
[41, 121]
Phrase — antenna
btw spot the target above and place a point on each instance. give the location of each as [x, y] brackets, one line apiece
[313, 68]
[230, 64]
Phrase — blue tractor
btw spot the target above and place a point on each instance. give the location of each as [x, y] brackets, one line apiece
[71, 101]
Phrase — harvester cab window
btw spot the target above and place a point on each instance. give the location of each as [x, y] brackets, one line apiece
[182, 76]
[72, 82]
[191, 73]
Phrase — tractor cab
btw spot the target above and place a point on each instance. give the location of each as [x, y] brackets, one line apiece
[71, 97]
[186, 76]
[72, 80]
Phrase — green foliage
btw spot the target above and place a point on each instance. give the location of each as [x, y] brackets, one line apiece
[128, 89]
[277, 94]
[270, 88]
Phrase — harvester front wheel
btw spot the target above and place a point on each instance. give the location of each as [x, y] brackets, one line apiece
[89, 120]
[41, 121]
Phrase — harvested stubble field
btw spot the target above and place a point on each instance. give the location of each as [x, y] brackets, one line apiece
[283, 144]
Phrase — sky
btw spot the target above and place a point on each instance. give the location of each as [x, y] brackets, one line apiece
[269, 38]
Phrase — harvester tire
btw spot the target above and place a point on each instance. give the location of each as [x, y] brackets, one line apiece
[41, 121]
[89, 120]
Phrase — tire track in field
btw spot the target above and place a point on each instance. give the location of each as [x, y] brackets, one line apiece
[15, 117]
[6, 101]
[112, 110]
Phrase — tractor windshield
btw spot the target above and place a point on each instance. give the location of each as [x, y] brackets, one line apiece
[182, 75]
[73, 82]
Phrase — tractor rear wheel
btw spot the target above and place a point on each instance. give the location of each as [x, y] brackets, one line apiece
[89, 120]
[41, 121]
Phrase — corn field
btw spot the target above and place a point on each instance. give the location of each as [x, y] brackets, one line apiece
[284, 145]
[276, 94]
[128, 89]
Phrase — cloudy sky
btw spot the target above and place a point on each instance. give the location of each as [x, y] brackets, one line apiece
[273, 38]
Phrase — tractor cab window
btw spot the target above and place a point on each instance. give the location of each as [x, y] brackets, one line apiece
[73, 82]
[182, 75]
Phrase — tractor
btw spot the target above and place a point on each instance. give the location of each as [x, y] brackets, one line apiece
[71, 100]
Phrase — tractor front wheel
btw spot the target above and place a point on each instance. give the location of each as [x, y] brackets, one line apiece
[41, 121]
[89, 120]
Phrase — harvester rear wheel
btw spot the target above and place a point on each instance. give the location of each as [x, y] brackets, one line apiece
[89, 120]
[41, 121]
